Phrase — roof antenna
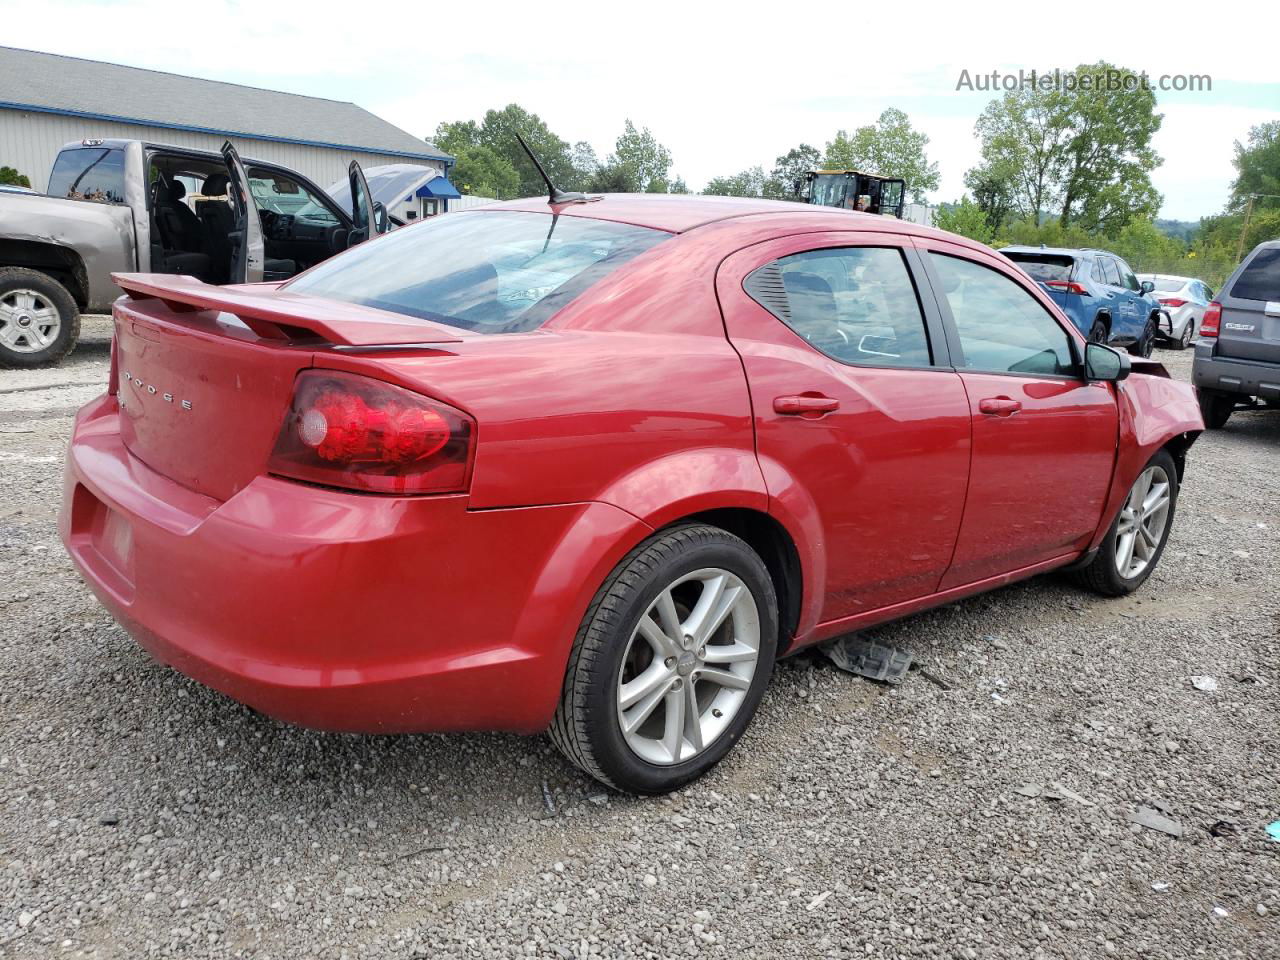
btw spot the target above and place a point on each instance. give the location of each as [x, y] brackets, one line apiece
[555, 195]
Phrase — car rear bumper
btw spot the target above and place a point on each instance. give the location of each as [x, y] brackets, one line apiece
[335, 610]
[1254, 378]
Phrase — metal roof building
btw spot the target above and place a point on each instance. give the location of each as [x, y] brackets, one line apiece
[48, 100]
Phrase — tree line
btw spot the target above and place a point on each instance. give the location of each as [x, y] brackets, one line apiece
[1057, 166]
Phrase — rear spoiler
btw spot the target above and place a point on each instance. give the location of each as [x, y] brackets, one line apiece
[275, 314]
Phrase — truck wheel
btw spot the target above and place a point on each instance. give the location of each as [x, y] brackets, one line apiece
[1216, 408]
[670, 662]
[1132, 547]
[39, 322]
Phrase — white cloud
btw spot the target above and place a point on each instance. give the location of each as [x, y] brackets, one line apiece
[724, 86]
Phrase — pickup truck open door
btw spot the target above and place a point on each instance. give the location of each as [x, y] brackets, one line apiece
[362, 213]
[248, 255]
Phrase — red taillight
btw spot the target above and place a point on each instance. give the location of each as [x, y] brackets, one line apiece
[1066, 286]
[345, 430]
[1212, 318]
[1173, 302]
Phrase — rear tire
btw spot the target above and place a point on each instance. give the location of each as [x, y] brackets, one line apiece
[39, 322]
[625, 651]
[1146, 343]
[1188, 334]
[1098, 332]
[1134, 544]
[1216, 408]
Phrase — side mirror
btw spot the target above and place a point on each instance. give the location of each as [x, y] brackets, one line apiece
[381, 219]
[1103, 363]
[1147, 287]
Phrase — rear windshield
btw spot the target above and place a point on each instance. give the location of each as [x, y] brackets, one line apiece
[1260, 280]
[1168, 284]
[499, 272]
[1043, 267]
[88, 173]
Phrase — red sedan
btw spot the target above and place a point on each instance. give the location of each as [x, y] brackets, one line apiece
[591, 467]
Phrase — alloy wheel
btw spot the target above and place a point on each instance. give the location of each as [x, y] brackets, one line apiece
[28, 322]
[1188, 332]
[1142, 522]
[688, 666]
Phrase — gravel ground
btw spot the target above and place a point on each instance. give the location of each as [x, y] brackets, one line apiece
[144, 816]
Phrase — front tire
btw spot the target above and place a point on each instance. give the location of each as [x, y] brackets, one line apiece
[39, 322]
[1134, 544]
[670, 662]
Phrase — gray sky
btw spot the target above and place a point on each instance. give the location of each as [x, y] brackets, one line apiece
[723, 86]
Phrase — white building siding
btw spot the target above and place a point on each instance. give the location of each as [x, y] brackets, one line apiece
[30, 140]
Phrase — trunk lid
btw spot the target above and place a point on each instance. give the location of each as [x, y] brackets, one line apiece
[206, 374]
[1250, 324]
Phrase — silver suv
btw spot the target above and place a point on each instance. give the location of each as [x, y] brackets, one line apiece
[1238, 355]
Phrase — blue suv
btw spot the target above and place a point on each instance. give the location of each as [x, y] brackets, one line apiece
[1098, 291]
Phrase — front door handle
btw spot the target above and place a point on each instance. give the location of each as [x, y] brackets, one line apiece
[1000, 406]
[804, 404]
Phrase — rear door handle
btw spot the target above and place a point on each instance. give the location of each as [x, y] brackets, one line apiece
[800, 405]
[999, 406]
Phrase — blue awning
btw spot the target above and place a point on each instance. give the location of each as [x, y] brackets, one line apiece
[440, 188]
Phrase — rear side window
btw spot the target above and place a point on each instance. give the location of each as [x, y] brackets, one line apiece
[1044, 267]
[88, 173]
[499, 272]
[1002, 327]
[1260, 279]
[857, 305]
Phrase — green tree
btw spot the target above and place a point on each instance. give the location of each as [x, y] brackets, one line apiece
[994, 186]
[790, 169]
[646, 161]
[481, 172]
[13, 178]
[891, 147]
[612, 178]
[585, 164]
[1084, 152]
[679, 186]
[458, 135]
[1258, 169]
[748, 183]
[967, 219]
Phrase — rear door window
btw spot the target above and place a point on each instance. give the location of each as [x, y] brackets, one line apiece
[857, 305]
[1260, 279]
[88, 173]
[495, 272]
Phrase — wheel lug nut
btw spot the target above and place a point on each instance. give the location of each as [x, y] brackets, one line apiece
[676, 684]
[716, 712]
[702, 653]
[669, 662]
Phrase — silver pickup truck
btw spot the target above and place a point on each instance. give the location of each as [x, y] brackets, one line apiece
[132, 206]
